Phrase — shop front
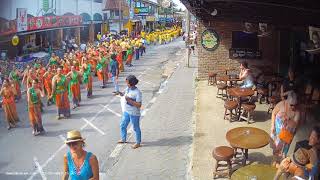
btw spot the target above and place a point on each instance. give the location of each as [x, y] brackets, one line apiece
[150, 23]
[42, 36]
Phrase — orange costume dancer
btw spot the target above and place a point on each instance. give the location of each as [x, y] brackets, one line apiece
[74, 87]
[8, 103]
[60, 92]
[66, 68]
[129, 55]
[15, 78]
[119, 59]
[93, 62]
[34, 108]
[102, 71]
[25, 76]
[47, 79]
[87, 78]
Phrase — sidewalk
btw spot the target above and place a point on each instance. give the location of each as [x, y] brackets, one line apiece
[211, 129]
[166, 132]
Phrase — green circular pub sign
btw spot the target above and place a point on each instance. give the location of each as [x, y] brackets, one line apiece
[210, 40]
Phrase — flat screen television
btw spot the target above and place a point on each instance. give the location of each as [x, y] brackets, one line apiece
[244, 40]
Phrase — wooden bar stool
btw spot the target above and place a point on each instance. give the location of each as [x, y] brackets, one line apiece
[222, 154]
[248, 109]
[222, 88]
[262, 94]
[230, 105]
[273, 100]
[212, 78]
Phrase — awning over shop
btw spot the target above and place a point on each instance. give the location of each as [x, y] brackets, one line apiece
[97, 17]
[51, 29]
[285, 12]
[85, 17]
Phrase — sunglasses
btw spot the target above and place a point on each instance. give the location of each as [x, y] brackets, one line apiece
[73, 144]
[293, 105]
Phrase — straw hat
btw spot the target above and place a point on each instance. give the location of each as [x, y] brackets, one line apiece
[74, 136]
[301, 157]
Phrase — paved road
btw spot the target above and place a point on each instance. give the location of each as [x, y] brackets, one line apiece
[164, 100]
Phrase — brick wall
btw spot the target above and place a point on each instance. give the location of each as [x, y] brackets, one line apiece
[219, 59]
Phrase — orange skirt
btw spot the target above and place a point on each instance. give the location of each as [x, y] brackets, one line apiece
[35, 114]
[62, 103]
[18, 89]
[89, 86]
[10, 112]
[100, 75]
[48, 88]
[76, 94]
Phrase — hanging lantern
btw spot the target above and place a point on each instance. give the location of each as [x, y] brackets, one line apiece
[15, 40]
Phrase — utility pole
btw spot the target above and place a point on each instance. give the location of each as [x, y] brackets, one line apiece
[187, 40]
[120, 14]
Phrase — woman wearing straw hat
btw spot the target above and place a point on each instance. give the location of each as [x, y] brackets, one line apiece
[131, 113]
[78, 163]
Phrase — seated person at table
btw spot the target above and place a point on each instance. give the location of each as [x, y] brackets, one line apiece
[289, 84]
[284, 122]
[246, 76]
[294, 167]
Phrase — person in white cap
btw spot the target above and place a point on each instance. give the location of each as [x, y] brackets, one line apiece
[78, 163]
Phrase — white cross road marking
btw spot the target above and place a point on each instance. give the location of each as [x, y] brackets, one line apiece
[46, 163]
[116, 151]
[40, 170]
[94, 127]
[112, 111]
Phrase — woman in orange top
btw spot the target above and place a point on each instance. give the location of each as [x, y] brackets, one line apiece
[119, 59]
[47, 79]
[8, 104]
[60, 93]
[87, 78]
[34, 107]
[74, 86]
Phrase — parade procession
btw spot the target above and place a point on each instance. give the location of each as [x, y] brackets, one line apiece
[59, 82]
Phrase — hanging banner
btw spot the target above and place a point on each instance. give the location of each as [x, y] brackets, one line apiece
[22, 20]
[45, 22]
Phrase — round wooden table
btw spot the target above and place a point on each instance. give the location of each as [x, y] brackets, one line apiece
[247, 138]
[259, 171]
[240, 93]
[227, 79]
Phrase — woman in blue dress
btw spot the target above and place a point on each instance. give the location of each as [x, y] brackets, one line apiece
[78, 163]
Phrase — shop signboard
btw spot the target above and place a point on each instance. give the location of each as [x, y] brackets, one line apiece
[8, 27]
[45, 22]
[163, 19]
[141, 11]
[151, 18]
[210, 40]
[22, 19]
